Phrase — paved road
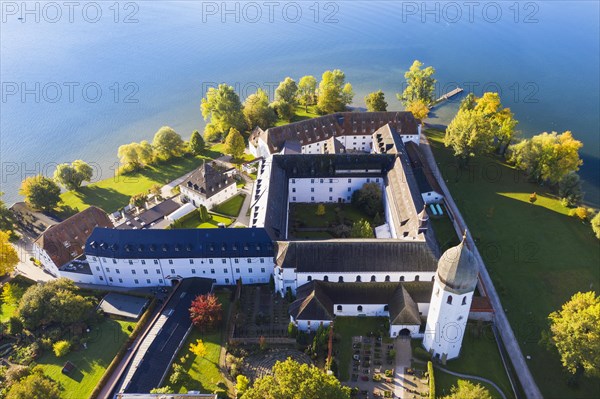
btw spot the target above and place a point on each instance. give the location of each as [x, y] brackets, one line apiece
[508, 337]
[243, 219]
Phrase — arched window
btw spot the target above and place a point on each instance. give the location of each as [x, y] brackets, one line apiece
[340, 279]
[386, 308]
[325, 278]
[358, 279]
[309, 278]
[359, 308]
[449, 300]
[339, 308]
[464, 301]
[433, 278]
[417, 278]
[401, 278]
[372, 278]
[387, 278]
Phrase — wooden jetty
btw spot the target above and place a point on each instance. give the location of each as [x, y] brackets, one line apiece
[448, 95]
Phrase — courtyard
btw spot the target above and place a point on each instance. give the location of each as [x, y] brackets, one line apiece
[305, 223]
[260, 313]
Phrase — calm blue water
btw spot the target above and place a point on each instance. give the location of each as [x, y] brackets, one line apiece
[547, 69]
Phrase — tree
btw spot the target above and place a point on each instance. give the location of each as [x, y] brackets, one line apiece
[197, 144]
[71, 176]
[575, 332]
[40, 192]
[533, 198]
[234, 143]
[467, 135]
[547, 156]
[54, 302]
[15, 325]
[596, 225]
[156, 190]
[198, 348]
[420, 85]
[167, 143]
[376, 101]
[241, 384]
[203, 212]
[307, 88]
[7, 219]
[369, 199]
[334, 93]
[224, 109]
[145, 152]
[286, 98]
[320, 210]
[291, 380]
[569, 189]
[129, 156]
[34, 386]
[258, 112]
[165, 389]
[138, 200]
[419, 109]
[362, 229]
[206, 311]
[61, 348]
[12, 293]
[468, 390]
[8, 257]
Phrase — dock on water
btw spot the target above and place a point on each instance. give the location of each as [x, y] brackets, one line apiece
[448, 95]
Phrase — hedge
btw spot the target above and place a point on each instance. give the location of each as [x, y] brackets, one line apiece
[431, 380]
[121, 353]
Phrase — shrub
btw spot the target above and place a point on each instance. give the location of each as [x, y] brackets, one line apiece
[61, 348]
[596, 225]
[533, 198]
[580, 212]
[431, 380]
[292, 330]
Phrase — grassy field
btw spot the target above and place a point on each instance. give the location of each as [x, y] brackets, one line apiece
[538, 257]
[113, 193]
[213, 223]
[348, 327]
[91, 363]
[303, 215]
[8, 309]
[444, 231]
[300, 115]
[204, 371]
[232, 206]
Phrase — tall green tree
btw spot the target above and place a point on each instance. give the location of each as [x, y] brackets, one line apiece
[167, 143]
[222, 106]
[420, 85]
[55, 302]
[575, 332]
[40, 192]
[72, 176]
[197, 144]
[34, 386]
[134, 156]
[569, 189]
[334, 93]
[138, 200]
[369, 199]
[547, 156]
[307, 91]
[7, 219]
[8, 255]
[286, 98]
[291, 380]
[362, 229]
[375, 101]
[468, 390]
[258, 112]
[234, 143]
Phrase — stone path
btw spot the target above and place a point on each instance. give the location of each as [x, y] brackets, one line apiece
[508, 337]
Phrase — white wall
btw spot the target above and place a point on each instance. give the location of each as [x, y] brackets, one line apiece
[80, 277]
[395, 330]
[327, 189]
[45, 260]
[196, 199]
[373, 310]
[446, 323]
[159, 272]
[432, 197]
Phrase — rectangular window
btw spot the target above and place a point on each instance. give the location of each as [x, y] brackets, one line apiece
[143, 262]
[368, 180]
[349, 189]
[262, 260]
[145, 271]
[294, 189]
[108, 269]
[312, 180]
[101, 278]
[376, 180]
[312, 198]
[118, 271]
[237, 269]
[223, 260]
[110, 279]
[262, 269]
[157, 271]
[156, 261]
[224, 270]
[130, 262]
[191, 261]
[121, 280]
[249, 270]
[330, 189]
[136, 281]
[193, 271]
[160, 280]
[172, 271]
[212, 271]
[236, 260]
[170, 261]
[210, 261]
[349, 180]
[330, 180]
[320, 180]
[249, 260]
[132, 271]
[312, 189]
[148, 280]
[330, 198]
[114, 261]
[293, 198]
[226, 281]
[98, 268]
[293, 181]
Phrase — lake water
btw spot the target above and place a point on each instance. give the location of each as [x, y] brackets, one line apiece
[79, 82]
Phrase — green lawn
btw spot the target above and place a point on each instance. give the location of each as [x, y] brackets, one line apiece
[8, 309]
[306, 214]
[537, 256]
[204, 371]
[104, 343]
[213, 223]
[300, 115]
[114, 192]
[348, 327]
[232, 206]
[444, 231]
